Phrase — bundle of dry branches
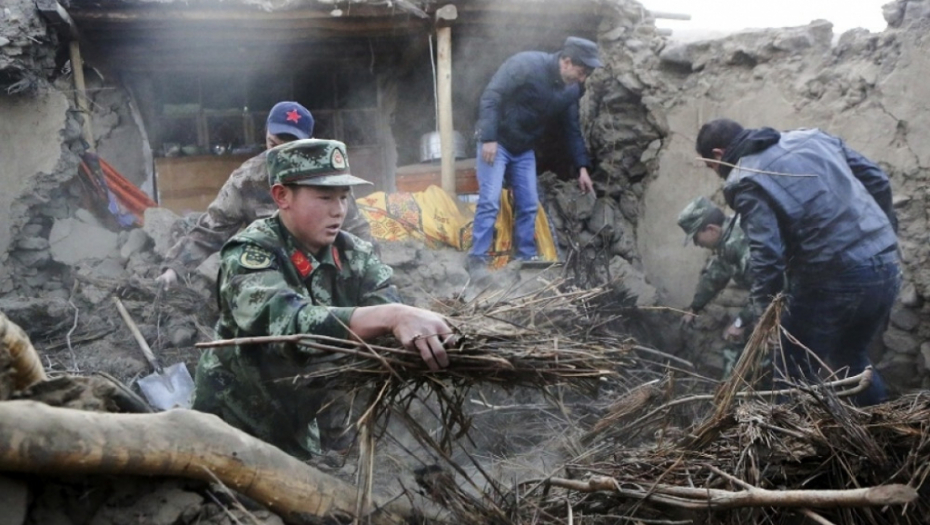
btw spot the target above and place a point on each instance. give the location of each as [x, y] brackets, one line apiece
[759, 457]
[771, 463]
[549, 337]
[663, 455]
[544, 338]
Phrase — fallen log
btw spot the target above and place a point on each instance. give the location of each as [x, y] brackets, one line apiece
[37, 438]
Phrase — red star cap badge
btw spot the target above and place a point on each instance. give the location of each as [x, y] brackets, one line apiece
[293, 116]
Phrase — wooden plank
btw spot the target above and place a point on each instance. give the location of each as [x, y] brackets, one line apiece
[333, 27]
[670, 16]
[228, 61]
[57, 16]
[418, 177]
[187, 184]
[528, 7]
[183, 13]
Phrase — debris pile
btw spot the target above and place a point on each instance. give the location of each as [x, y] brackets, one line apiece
[759, 457]
[27, 48]
[596, 239]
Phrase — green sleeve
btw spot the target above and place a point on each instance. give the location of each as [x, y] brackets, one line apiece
[714, 278]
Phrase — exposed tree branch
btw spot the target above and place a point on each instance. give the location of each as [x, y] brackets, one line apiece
[706, 498]
[37, 438]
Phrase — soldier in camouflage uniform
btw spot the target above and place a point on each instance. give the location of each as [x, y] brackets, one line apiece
[706, 225]
[245, 197]
[296, 272]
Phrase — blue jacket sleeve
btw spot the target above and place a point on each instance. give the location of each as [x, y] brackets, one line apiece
[508, 78]
[875, 181]
[766, 245]
[576, 146]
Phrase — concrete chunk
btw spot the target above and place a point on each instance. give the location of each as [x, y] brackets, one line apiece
[72, 241]
[158, 224]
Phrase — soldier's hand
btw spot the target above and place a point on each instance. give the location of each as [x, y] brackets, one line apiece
[489, 152]
[584, 181]
[167, 279]
[426, 332]
[688, 319]
[733, 333]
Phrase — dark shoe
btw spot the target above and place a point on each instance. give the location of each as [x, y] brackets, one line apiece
[535, 262]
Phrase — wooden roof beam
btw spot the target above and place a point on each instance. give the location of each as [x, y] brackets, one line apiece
[169, 13]
[56, 15]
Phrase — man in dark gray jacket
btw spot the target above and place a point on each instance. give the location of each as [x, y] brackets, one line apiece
[821, 213]
[528, 90]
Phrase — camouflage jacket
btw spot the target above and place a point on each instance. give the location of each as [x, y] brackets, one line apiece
[267, 286]
[730, 261]
[242, 199]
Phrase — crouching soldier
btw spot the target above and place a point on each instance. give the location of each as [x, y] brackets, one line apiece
[297, 272]
[708, 227]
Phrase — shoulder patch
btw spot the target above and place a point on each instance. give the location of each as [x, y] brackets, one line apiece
[255, 258]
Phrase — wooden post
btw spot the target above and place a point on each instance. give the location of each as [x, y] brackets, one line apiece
[444, 89]
[80, 92]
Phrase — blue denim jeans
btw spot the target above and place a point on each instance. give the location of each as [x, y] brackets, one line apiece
[521, 169]
[836, 317]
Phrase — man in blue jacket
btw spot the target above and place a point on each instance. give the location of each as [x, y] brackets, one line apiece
[821, 213]
[528, 89]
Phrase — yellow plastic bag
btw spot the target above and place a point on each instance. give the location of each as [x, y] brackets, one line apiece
[438, 219]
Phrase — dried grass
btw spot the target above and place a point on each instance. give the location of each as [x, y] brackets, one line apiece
[755, 457]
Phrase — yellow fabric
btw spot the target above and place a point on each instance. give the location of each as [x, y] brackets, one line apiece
[438, 219]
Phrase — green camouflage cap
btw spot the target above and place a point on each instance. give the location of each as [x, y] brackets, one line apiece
[310, 162]
[691, 219]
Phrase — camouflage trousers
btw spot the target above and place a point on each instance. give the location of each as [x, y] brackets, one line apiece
[731, 355]
[309, 419]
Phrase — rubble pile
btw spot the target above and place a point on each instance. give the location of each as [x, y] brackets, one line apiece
[27, 49]
[595, 239]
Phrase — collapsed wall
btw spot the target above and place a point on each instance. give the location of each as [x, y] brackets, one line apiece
[61, 256]
[40, 137]
[27, 48]
[868, 88]
[43, 202]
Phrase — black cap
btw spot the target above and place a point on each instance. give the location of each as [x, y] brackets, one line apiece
[581, 50]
